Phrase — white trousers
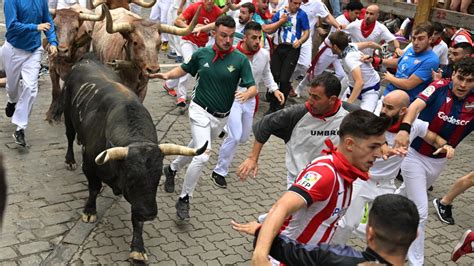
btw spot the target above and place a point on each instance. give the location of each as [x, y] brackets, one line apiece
[159, 12]
[187, 49]
[419, 173]
[363, 192]
[204, 127]
[239, 126]
[369, 99]
[21, 65]
[304, 61]
[325, 60]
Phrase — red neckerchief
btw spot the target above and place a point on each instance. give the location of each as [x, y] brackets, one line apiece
[265, 14]
[246, 52]
[331, 112]
[220, 54]
[343, 167]
[438, 41]
[395, 127]
[346, 14]
[367, 29]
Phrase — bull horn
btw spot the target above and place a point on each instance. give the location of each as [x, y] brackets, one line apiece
[173, 149]
[144, 3]
[96, 3]
[92, 17]
[117, 153]
[181, 31]
[52, 11]
[113, 28]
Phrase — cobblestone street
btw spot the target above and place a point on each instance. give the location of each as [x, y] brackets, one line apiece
[42, 223]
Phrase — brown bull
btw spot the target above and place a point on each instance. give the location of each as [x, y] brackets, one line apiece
[113, 4]
[131, 45]
[73, 28]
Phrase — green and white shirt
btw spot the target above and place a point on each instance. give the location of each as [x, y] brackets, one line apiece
[217, 81]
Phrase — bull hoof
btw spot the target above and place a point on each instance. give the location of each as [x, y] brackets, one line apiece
[89, 218]
[138, 257]
[71, 166]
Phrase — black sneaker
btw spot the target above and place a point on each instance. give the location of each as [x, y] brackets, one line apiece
[19, 137]
[169, 181]
[182, 208]
[443, 211]
[10, 109]
[218, 180]
[222, 134]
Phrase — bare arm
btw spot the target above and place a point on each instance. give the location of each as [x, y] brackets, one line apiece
[402, 137]
[248, 94]
[304, 37]
[396, 44]
[251, 163]
[174, 73]
[358, 84]
[405, 84]
[289, 203]
[180, 22]
[333, 22]
[364, 45]
[271, 28]
[438, 142]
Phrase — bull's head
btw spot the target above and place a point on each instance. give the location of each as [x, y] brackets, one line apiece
[143, 39]
[140, 167]
[112, 4]
[68, 24]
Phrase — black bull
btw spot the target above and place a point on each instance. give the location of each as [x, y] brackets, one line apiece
[120, 144]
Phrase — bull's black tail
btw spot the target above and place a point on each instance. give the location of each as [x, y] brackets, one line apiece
[57, 107]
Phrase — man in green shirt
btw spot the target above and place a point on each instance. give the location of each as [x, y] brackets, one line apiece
[219, 69]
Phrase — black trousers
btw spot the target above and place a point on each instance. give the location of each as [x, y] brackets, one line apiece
[282, 65]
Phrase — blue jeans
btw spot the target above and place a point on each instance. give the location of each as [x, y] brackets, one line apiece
[336, 7]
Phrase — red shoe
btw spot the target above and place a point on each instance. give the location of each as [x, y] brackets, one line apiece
[181, 104]
[464, 246]
[170, 91]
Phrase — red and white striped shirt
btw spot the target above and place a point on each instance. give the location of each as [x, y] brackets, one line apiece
[327, 197]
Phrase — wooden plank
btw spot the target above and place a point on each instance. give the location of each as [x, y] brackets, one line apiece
[449, 17]
[396, 8]
[423, 11]
[440, 15]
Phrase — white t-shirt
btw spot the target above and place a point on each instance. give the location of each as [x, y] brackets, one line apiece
[380, 33]
[352, 60]
[388, 169]
[441, 50]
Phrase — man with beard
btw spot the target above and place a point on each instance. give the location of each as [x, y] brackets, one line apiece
[241, 114]
[303, 128]
[246, 15]
[369, 29]
[309, 210]
[384, 171]
[456, 53]
[414, 67]
[208, 14]
[448, 107]
[220, 69]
